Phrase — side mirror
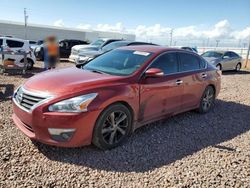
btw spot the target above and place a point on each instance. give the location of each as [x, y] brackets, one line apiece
[154, 72]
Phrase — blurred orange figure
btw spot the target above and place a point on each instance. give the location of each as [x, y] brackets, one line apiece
[53, 52]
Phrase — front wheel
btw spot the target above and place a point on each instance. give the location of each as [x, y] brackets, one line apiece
[207, 100]
[112, 127]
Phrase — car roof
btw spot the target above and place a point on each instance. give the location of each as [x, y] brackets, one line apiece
[11, 38]
[150, 48]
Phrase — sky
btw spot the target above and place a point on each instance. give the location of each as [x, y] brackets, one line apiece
[147, 19]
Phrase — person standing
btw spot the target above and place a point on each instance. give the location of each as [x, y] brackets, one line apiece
[45, 55]
[52, 52]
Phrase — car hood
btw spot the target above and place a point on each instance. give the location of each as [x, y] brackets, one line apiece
[85, 47]
[90, 53]
[68, 80]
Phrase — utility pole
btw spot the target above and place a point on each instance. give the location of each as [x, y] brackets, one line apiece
[247, 52]
[217, 43]
[25, 22]
[208, 42]
[171, 37]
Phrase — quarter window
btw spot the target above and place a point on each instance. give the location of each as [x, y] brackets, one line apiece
[189, 62]
[14, 44]
[167, 63]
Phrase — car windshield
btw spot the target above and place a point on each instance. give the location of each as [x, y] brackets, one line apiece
[118, 62]
[98, 42]
[212, 54]
[114, 45]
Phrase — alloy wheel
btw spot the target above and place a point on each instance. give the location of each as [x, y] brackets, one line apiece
[238, 66]
[115, 127]
[208, 99]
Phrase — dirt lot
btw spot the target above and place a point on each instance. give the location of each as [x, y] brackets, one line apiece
[188, 150]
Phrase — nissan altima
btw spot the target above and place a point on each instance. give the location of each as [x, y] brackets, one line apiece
[104, 101]
[227, 60]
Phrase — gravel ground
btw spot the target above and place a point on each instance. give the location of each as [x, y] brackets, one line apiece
[188, 150]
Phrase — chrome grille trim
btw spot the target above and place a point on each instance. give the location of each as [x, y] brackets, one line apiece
[28, 101]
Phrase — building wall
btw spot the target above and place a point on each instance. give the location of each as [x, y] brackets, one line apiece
[38, 32]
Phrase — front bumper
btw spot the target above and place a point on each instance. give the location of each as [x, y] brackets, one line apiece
[36, 126]
[73, 58]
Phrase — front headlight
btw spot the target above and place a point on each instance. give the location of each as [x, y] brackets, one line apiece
[75, 104]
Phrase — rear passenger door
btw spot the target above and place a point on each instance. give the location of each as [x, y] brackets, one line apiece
[227, 61]
[192, 75]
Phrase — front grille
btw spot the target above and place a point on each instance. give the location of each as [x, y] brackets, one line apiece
[26, 99]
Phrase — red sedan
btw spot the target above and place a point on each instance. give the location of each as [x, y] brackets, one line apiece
[107, 99]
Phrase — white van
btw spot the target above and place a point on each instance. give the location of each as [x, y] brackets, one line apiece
[14, 44]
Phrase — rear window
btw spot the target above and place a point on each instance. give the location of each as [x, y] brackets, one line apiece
[189, 62]
[14, 44]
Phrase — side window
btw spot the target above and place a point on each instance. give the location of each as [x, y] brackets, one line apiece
[234, 54]
[189, 62]
[203, 63]
[168, 63]
[14, 44]
[1, 42]
[228, 54]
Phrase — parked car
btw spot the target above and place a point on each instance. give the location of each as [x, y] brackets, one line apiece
[33, 44]
[224, 60]
[85, 56]
[190, 49]
[64, 48]
[15, 44]
[113, 94]
[94, 46]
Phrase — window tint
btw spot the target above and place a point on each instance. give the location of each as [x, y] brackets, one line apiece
[189, 62]
[118, 62]
[14, 44]
[1, 42]
[167, 63]
[234, 54]
[203, 63]
[227, 54]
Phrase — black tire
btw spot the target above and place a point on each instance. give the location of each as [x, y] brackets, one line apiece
[219, 67]
[238, 67]
[108, 133]
[207, 100]
[29, 65]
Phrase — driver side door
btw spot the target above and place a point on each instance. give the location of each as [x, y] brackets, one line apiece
[161, 96]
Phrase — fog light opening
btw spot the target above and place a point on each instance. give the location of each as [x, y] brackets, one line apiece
[61, 135]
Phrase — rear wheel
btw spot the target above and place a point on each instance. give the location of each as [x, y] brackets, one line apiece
[207, 100]
[30, 64]
[112, 127]
[238, 67]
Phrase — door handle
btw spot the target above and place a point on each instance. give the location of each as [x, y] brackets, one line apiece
[203, 75]
[179, 82]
